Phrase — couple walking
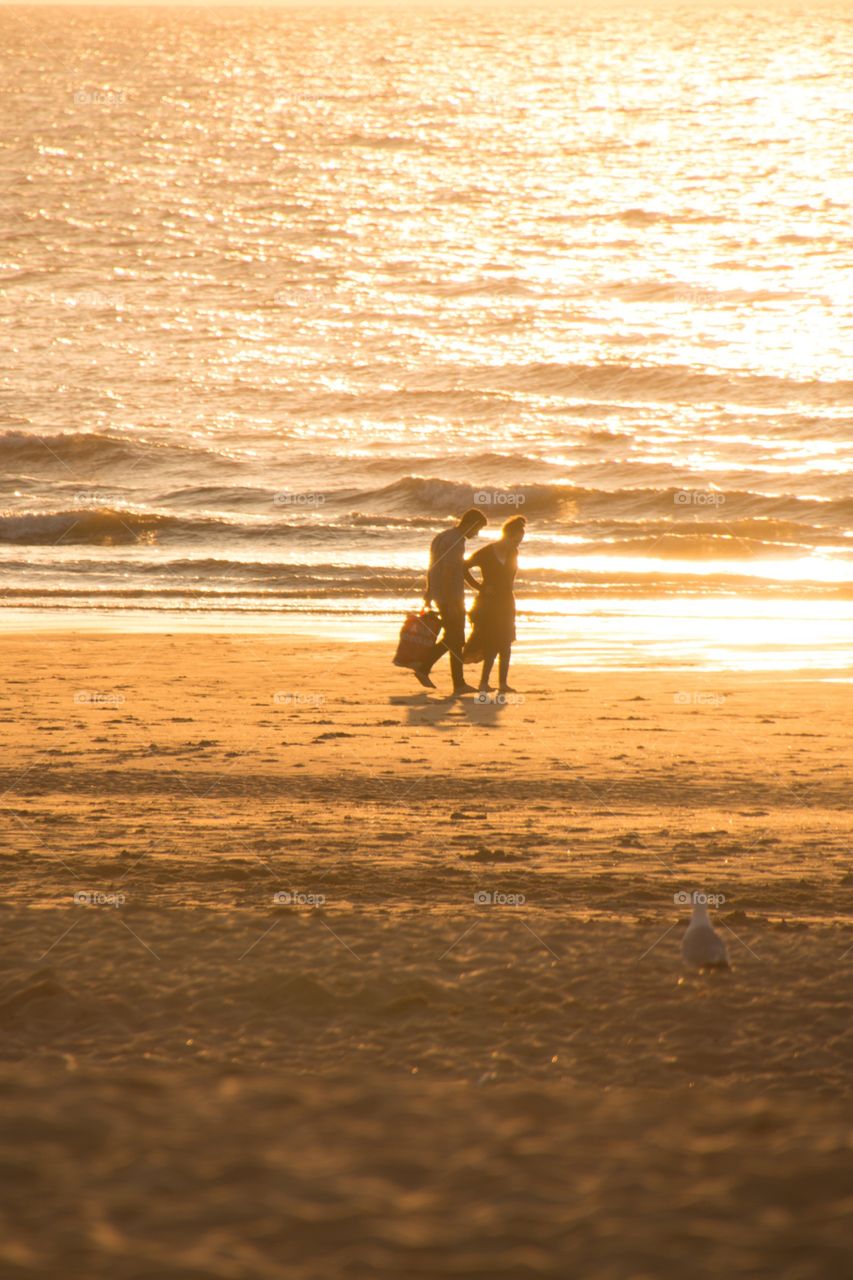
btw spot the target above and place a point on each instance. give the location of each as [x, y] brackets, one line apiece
[493, 612]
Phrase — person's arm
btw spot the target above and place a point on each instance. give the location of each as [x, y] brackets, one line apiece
[429, 584]
[435, 575]
[472, 561]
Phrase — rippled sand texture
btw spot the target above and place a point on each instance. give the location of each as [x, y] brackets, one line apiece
[363, 982]
[282, 290]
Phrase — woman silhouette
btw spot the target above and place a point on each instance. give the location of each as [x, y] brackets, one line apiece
[493, 611]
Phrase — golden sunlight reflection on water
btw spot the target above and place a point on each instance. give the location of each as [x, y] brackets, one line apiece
[714, 634]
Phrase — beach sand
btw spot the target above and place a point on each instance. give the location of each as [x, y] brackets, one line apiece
[308, 973]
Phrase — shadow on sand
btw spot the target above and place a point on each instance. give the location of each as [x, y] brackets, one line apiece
[450, 712]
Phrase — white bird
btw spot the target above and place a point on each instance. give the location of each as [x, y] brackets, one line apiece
[702, 946]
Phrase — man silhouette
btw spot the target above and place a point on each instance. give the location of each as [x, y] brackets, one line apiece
[445, 588]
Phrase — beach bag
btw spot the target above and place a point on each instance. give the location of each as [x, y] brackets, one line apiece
[417, 637]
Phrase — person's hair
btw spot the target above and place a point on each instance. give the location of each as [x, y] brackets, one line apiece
[517, 524]
[473, 518]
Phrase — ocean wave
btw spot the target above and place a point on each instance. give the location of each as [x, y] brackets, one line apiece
[204, 573]
[562, 503]
[763, 530]
[215, 495]
[262, 587]
[422, 503]
[654, 382]
[469, 403]
[94, 450]
[509, 286]
[430, 495]
[491, 462]
[111, 526]
[117, 527]
[700, 295]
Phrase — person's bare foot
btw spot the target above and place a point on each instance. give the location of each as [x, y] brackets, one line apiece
[486, 688]
[459, 689]
[422, 675]
[507, 688]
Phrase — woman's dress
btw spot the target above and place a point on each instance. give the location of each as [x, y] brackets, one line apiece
[493, 612]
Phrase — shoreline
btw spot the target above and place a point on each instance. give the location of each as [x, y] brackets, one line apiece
[728, 636]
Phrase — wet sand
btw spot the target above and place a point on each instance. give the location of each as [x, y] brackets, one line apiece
[309, 973]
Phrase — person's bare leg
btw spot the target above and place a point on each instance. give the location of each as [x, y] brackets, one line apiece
[439, 649]
[457, 671]
[454, 638]
[503, 671]
[422, 672]
[488, 663]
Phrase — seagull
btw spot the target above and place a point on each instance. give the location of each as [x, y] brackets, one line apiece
[702, 946]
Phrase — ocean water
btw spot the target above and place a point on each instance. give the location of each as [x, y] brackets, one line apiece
[283, 290]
